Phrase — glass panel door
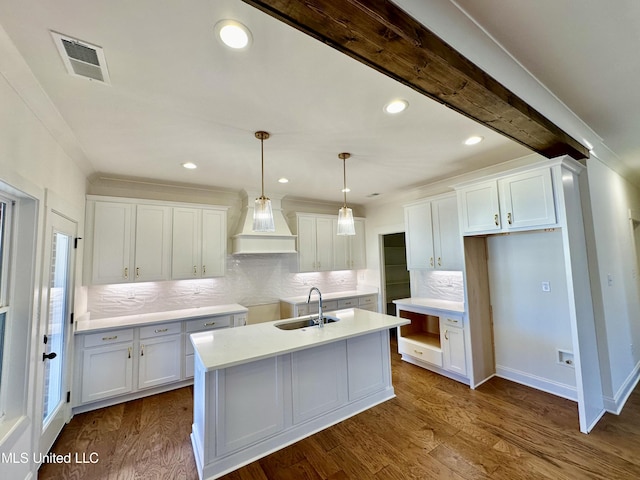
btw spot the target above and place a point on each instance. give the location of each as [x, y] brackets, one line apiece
[55, 330]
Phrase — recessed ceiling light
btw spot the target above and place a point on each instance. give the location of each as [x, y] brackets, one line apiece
[189, 165]
[283, 180]
[396, 106]
[233, 34]
[473, 140]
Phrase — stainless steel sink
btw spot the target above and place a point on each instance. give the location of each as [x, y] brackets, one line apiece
[305, 322]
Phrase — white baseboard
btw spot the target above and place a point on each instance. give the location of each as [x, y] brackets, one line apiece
[615, 405]
[555, 388]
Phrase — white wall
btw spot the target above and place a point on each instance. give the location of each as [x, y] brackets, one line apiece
[529, 324]
[614, 279]
[32, 164]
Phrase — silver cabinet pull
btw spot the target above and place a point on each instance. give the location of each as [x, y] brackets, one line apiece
[126, 273]
[204, 269]
[209, 324]
[495, 219]
[105, 339]
[418, 352]
[160, 330]
[142, 350]
[431, 261]
[439, 261]
[137, 272]
[195, 270]
[446, 334]
[129, 352]
[509, 219]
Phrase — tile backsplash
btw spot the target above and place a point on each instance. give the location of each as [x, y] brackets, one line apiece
[443, 285]
[249, 280]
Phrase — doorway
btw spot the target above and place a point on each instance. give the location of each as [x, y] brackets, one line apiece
[55, 329]
[395, 282]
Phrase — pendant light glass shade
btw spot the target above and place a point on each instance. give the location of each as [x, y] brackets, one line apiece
[345, 222]
[345, 214]
[262, 212]
[263, 216]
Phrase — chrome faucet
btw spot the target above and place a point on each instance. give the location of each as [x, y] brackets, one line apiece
[320, 316]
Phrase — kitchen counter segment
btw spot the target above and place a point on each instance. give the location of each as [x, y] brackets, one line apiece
[227, 348]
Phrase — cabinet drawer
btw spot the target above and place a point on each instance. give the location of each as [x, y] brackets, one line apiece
[159, 330]
[330, 305]
[452, 322]
[208, 323]
[107, 338]
[348, 303]
[420, 351]
[368, 301]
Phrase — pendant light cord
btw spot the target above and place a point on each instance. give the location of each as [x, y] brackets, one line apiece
[344, 176]
[262, 163]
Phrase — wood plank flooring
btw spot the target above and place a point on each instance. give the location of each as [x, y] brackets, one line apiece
[436, 428]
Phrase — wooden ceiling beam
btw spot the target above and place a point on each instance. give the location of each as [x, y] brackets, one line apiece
[381, 35]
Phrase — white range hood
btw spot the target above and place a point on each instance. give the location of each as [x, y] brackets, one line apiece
[246, 241]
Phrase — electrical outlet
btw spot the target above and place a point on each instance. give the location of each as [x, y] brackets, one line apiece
[131, 295]
[609, 280]
[546, 286]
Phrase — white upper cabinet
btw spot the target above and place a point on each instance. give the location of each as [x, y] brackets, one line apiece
[152, 243]
[130, 243]
[527, 199]
[432, 235]
[199, 243]
[315, 243]
[349, 250]
[514, 202]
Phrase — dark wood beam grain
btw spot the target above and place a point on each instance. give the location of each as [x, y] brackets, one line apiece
[381, 35]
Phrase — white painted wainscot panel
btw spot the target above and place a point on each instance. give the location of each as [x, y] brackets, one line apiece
[258, 389]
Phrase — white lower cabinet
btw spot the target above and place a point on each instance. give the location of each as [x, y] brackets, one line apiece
[107, 371]
[435, 340]
[453, 346]
[130, 362]
[160, 355]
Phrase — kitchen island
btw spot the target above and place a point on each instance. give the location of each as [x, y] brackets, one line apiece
[259, 388]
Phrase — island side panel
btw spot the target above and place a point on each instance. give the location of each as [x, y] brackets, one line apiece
[368, 364]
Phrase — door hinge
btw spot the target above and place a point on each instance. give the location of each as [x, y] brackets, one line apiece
[75, 242]
[69, 396]
[71, 317]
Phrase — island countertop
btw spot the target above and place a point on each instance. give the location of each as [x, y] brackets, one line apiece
[235, 346]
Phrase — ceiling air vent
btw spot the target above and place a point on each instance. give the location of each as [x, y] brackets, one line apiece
[81, 58]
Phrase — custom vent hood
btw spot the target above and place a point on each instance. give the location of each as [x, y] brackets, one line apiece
[246, 241]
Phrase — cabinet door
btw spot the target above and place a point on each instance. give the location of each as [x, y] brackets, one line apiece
[341, 247]
[527, 199]
[324, 244]
[214, 243]
[159, 361]
[153, 240]
[306, 244]
[107, 372]
[419, 236]
[453, 352]
[447, 242]
[479, 207]
[358, 246]
[185, 246]
[112, 243]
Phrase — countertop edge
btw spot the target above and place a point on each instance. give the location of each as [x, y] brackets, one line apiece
[141, 320]
[300, 299]
[447, 306]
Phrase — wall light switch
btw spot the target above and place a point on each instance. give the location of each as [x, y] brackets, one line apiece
[546, 286]
[609, 280]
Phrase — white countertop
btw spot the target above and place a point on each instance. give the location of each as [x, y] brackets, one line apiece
[361, 292]
[85, 325]
[234, 346]
[432, 303]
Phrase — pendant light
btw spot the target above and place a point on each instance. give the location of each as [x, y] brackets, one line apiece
[345, 214]
[262, 212]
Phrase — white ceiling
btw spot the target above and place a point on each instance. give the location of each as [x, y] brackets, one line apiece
[178, 94]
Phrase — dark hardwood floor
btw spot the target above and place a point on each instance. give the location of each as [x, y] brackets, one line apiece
[435, 429]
